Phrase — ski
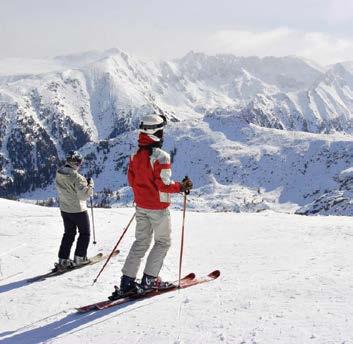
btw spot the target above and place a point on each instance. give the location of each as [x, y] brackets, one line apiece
[105, 303]
[98, 305]
[186, 282]
[94, 260]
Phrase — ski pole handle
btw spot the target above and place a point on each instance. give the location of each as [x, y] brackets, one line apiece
[186, 191]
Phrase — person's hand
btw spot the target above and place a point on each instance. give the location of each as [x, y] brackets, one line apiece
[90, 182]
[186, 185]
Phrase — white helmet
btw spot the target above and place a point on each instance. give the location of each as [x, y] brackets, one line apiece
[151, 124]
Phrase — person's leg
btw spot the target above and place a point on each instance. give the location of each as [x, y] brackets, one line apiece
[161, 224]
[143, 237]
[82, 221]
[68, 237]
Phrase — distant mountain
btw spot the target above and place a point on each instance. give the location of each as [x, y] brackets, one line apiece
[337, 201]
[261, 132]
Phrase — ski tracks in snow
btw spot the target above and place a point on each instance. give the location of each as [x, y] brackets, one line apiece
[12, 250]
[10, 276]
[221, 335]
[179, 326]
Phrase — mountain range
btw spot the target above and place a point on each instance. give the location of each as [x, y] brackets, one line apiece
[253, 133]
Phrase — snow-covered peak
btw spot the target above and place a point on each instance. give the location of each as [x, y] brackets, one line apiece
[287, 73]
[10, 67]
[82, 59]
[339, 73]
[348, 65]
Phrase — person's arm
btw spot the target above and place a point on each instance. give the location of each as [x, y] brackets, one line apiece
[163, 175]
[83, 188]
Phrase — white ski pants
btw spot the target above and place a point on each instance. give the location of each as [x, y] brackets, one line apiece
[149, 223]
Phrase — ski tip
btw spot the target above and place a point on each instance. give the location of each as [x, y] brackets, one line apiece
[214, 274]
[191, 275]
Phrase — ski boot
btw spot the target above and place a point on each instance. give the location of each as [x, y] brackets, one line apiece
[149, 283]
[127, 288]
[78, 261]
[63, 265]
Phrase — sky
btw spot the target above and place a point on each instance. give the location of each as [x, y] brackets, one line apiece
[320, 30]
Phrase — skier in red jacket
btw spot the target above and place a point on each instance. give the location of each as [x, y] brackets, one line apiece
[149, 175]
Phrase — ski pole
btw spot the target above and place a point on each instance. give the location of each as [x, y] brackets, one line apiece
[114, 249]
[94, 230]
[182, 236]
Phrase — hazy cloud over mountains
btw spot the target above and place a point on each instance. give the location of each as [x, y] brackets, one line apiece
[317, 46]
[319, 30]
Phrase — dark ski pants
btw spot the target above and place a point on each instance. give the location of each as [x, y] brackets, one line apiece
[72, 221]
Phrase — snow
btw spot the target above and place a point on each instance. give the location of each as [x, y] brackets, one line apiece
[284, 279]
[346, 173]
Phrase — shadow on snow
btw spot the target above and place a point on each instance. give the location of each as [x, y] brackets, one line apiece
[59, 327]
[14, 285]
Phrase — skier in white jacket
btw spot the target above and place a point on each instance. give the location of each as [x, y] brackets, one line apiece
[73, 190]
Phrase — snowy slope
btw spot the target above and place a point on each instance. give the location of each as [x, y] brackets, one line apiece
[285, 279]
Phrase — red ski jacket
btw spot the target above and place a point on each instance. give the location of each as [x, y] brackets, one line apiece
[150, 176]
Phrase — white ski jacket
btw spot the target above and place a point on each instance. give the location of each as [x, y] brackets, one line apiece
[73, 190]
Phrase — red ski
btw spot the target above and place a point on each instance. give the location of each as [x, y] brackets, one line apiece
[186, 282]
[99, 305]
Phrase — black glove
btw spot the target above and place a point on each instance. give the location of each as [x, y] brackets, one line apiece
[186, 185]
[90, 182]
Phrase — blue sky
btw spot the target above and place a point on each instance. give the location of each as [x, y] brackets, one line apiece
[320, 30]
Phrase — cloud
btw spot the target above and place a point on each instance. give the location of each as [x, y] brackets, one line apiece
[339, 11]
[318, 46]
